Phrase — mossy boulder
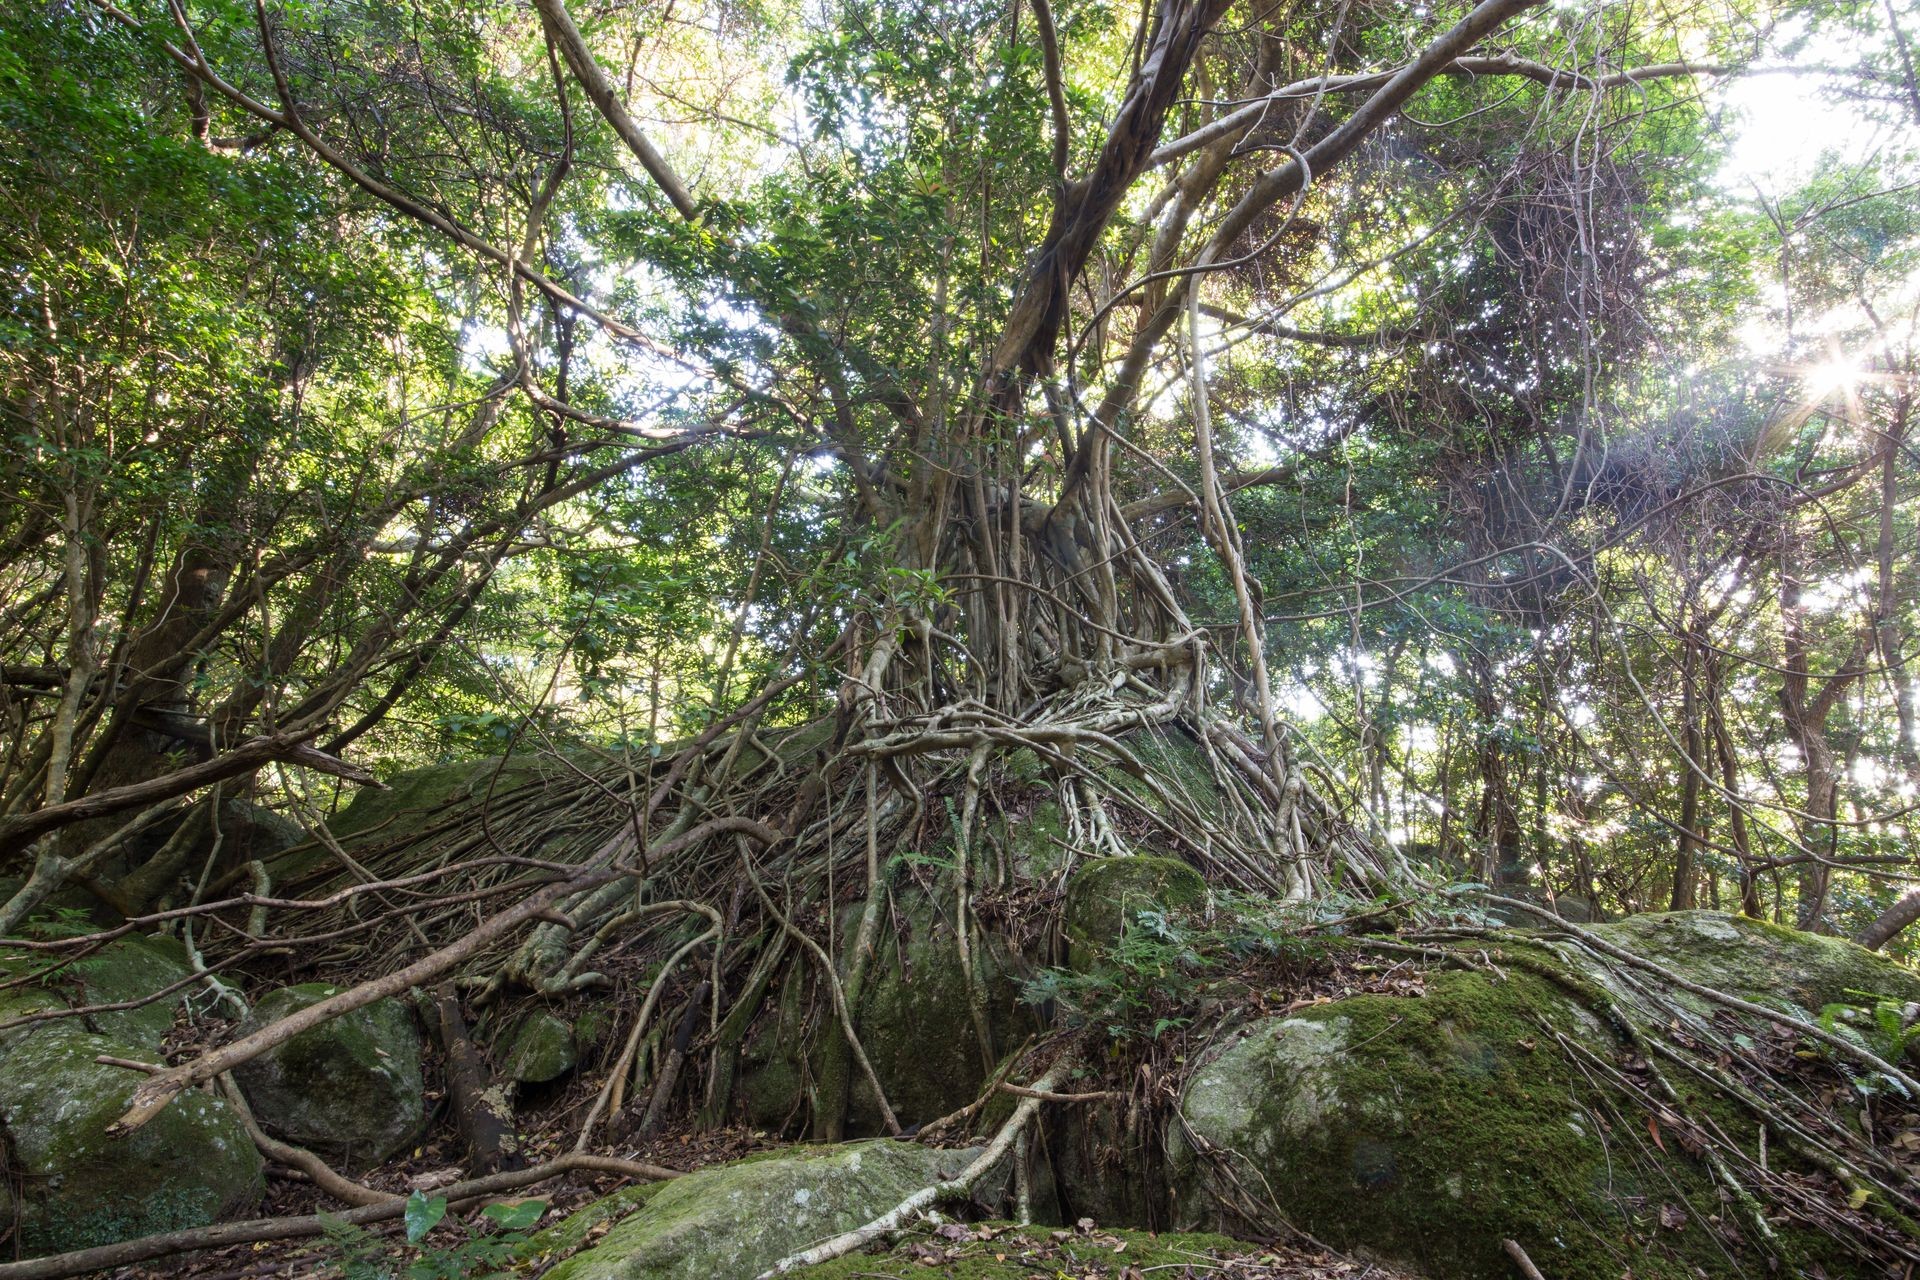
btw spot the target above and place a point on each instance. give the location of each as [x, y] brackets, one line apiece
[1428, 1129]
[412, 802]
[914, 1011]
[771, 1090]
[1004, 1251]
[130, 970]
[420, 797]
[916, 1020]
[564, 1238]
[1104, 895]
[126, 971]
[734, 1221]
[1768, 964]
[540, 1048]
[191, 1165]
[349, 1089]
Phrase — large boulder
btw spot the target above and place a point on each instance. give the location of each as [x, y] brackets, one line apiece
[915, 1010]
[1106, 895]
[191, 1165]
[1430, 1128]
[734, 1221]
[130, 971]
[349, 1089]
[540, 1048]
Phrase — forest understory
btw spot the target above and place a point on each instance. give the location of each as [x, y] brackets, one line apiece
[715, 1008]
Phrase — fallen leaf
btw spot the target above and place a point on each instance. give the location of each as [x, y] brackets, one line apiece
[1673, 1217]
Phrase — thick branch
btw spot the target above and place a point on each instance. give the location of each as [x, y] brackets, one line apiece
[586, 68]
[1253, 112]
[243, 759]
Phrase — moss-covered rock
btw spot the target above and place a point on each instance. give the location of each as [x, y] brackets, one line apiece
[1104, 894]
[540, 1048]
[190, 1165]
[1768, 964]
[125, 971]
[350, 1089]
[915, 1013]
[1428, 1129]
[1003, 1251]
[412, 802]
[771, 1090]
[733, 1221]
[130, 970]
[421, 797]
[564, 1238]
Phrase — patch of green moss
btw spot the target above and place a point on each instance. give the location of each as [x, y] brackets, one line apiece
[1430, 1129]
[738, 1219]
[1021, 1253]
[564, 1238]
[593, 1028]
[1104, 893]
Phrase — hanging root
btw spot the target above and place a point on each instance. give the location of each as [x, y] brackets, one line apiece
[599, 868]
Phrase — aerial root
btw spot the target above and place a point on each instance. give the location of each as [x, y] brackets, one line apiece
[926, 1198]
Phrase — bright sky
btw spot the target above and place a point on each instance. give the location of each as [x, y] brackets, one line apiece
[1781, 124]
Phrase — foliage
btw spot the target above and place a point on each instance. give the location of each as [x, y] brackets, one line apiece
[1874, 1022]
[1168, 963]
[362, 1254]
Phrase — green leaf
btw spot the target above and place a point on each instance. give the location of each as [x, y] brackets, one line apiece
[423, 1215]
[516, 1217]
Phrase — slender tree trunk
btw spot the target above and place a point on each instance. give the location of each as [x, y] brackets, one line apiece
[1684, 873]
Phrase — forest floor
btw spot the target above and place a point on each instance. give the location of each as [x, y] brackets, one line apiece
[1085, 1251]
